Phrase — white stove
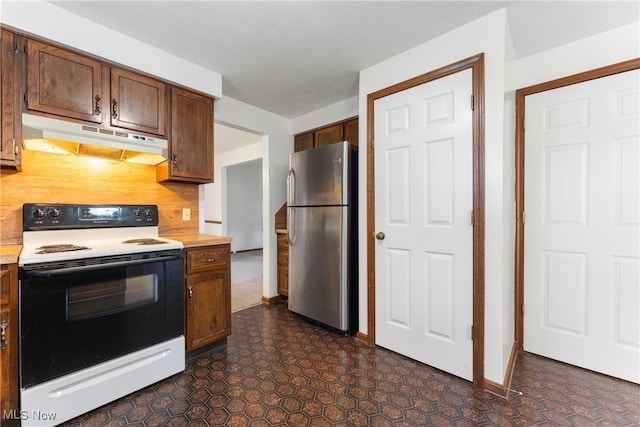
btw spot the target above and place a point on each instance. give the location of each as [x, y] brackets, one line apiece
[101, 307]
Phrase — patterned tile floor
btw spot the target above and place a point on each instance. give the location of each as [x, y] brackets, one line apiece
[279, 370]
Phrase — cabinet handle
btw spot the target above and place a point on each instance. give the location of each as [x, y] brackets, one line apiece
[174, 159]
[114, 108]
[208, 260]
[190, 297]
[98, 105]
[3, 334]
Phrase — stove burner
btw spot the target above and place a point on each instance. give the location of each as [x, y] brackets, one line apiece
[145, 241]
[50, 249]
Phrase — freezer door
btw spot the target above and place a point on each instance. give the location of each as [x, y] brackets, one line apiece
[321, 176]
[318, 267]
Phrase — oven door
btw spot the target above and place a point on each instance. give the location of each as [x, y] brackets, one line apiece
[80, 313]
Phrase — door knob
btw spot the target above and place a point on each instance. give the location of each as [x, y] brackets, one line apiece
[380, 235]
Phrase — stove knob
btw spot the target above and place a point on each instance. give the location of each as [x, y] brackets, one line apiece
[38, 213]
[148, 212]
[138, 212]
[55, 213]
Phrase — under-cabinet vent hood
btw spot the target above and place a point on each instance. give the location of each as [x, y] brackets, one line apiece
[58, 136]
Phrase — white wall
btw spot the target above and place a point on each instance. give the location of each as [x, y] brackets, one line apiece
[330, 114]
[276, 147]
[243, 202]
[213, 193]
[488, 35]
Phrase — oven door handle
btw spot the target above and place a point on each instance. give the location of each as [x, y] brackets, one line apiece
[94, 267]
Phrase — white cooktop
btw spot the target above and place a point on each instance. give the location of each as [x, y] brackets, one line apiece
[100, 241]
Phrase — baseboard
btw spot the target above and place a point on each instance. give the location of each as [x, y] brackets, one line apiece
[272, 300]
[362, 337]
[503, 389]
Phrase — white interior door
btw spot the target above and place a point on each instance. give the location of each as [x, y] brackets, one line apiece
[423, 204]
[581, 269]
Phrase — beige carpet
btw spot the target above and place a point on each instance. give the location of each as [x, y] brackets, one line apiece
[246, 279]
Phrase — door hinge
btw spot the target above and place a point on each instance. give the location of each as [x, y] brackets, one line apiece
[25, 98]
[523, 217]
[25, 50]
[473, 218]
[471, 332]
[473, 102]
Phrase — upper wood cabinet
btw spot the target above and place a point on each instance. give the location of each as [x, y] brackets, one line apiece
[346, 130]
[191, 142]
[11, 129]
[72, 85]
[63, 83]
[137, 102]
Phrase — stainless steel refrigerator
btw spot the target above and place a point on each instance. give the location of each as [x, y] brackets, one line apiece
[322, 232]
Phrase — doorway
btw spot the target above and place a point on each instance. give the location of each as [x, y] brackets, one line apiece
[474, 218]
[576, 290]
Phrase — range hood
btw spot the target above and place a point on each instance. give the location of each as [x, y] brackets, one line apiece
[58, 136]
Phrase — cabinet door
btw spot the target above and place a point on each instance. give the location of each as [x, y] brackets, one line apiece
[328, 135]
[208, 308]
[191, 144]
[9, 347]
[63, 83]
[138, 102]
[303, 142]
[351, 131]
[10, 130]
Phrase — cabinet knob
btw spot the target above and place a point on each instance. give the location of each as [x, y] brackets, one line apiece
[114, 108]
[98, 105]
[190, 294]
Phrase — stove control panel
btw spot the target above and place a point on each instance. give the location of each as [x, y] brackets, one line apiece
[37, 216]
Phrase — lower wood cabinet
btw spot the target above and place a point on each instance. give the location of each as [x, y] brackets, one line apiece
[208, 295]
[283, 264]
[8, 340]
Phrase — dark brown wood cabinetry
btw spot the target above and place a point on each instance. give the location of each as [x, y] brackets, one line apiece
[208, 295]
[70, 85]
[63, 83]
[11, 130]
[138, 102]
[283, 264]
[191, 142]
[336, 132]
[8, 339]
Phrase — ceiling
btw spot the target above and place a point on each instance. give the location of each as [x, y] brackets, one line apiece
[293, 57]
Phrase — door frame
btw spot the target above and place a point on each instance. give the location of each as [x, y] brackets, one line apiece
[476, 64]
[597, 73]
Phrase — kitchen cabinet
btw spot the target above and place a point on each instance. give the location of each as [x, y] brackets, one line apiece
[208, 295]
[336, 132]
[283, 264]
[8, 339]
[191, 142]
[11, 128]
[63, 83]
[138, 102]
[71, 85]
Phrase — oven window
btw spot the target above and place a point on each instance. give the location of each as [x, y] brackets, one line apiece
[111, 296]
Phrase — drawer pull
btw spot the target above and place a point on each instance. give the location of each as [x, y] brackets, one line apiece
[203, 260]
[3, 334]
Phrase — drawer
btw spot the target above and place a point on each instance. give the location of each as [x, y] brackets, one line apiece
[208, 258]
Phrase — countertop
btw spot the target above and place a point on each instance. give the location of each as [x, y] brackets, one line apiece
[281, 231]
[9, 254]
[197, 240]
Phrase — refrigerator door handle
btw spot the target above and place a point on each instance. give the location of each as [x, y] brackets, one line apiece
[290, 225]
[291, 184]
